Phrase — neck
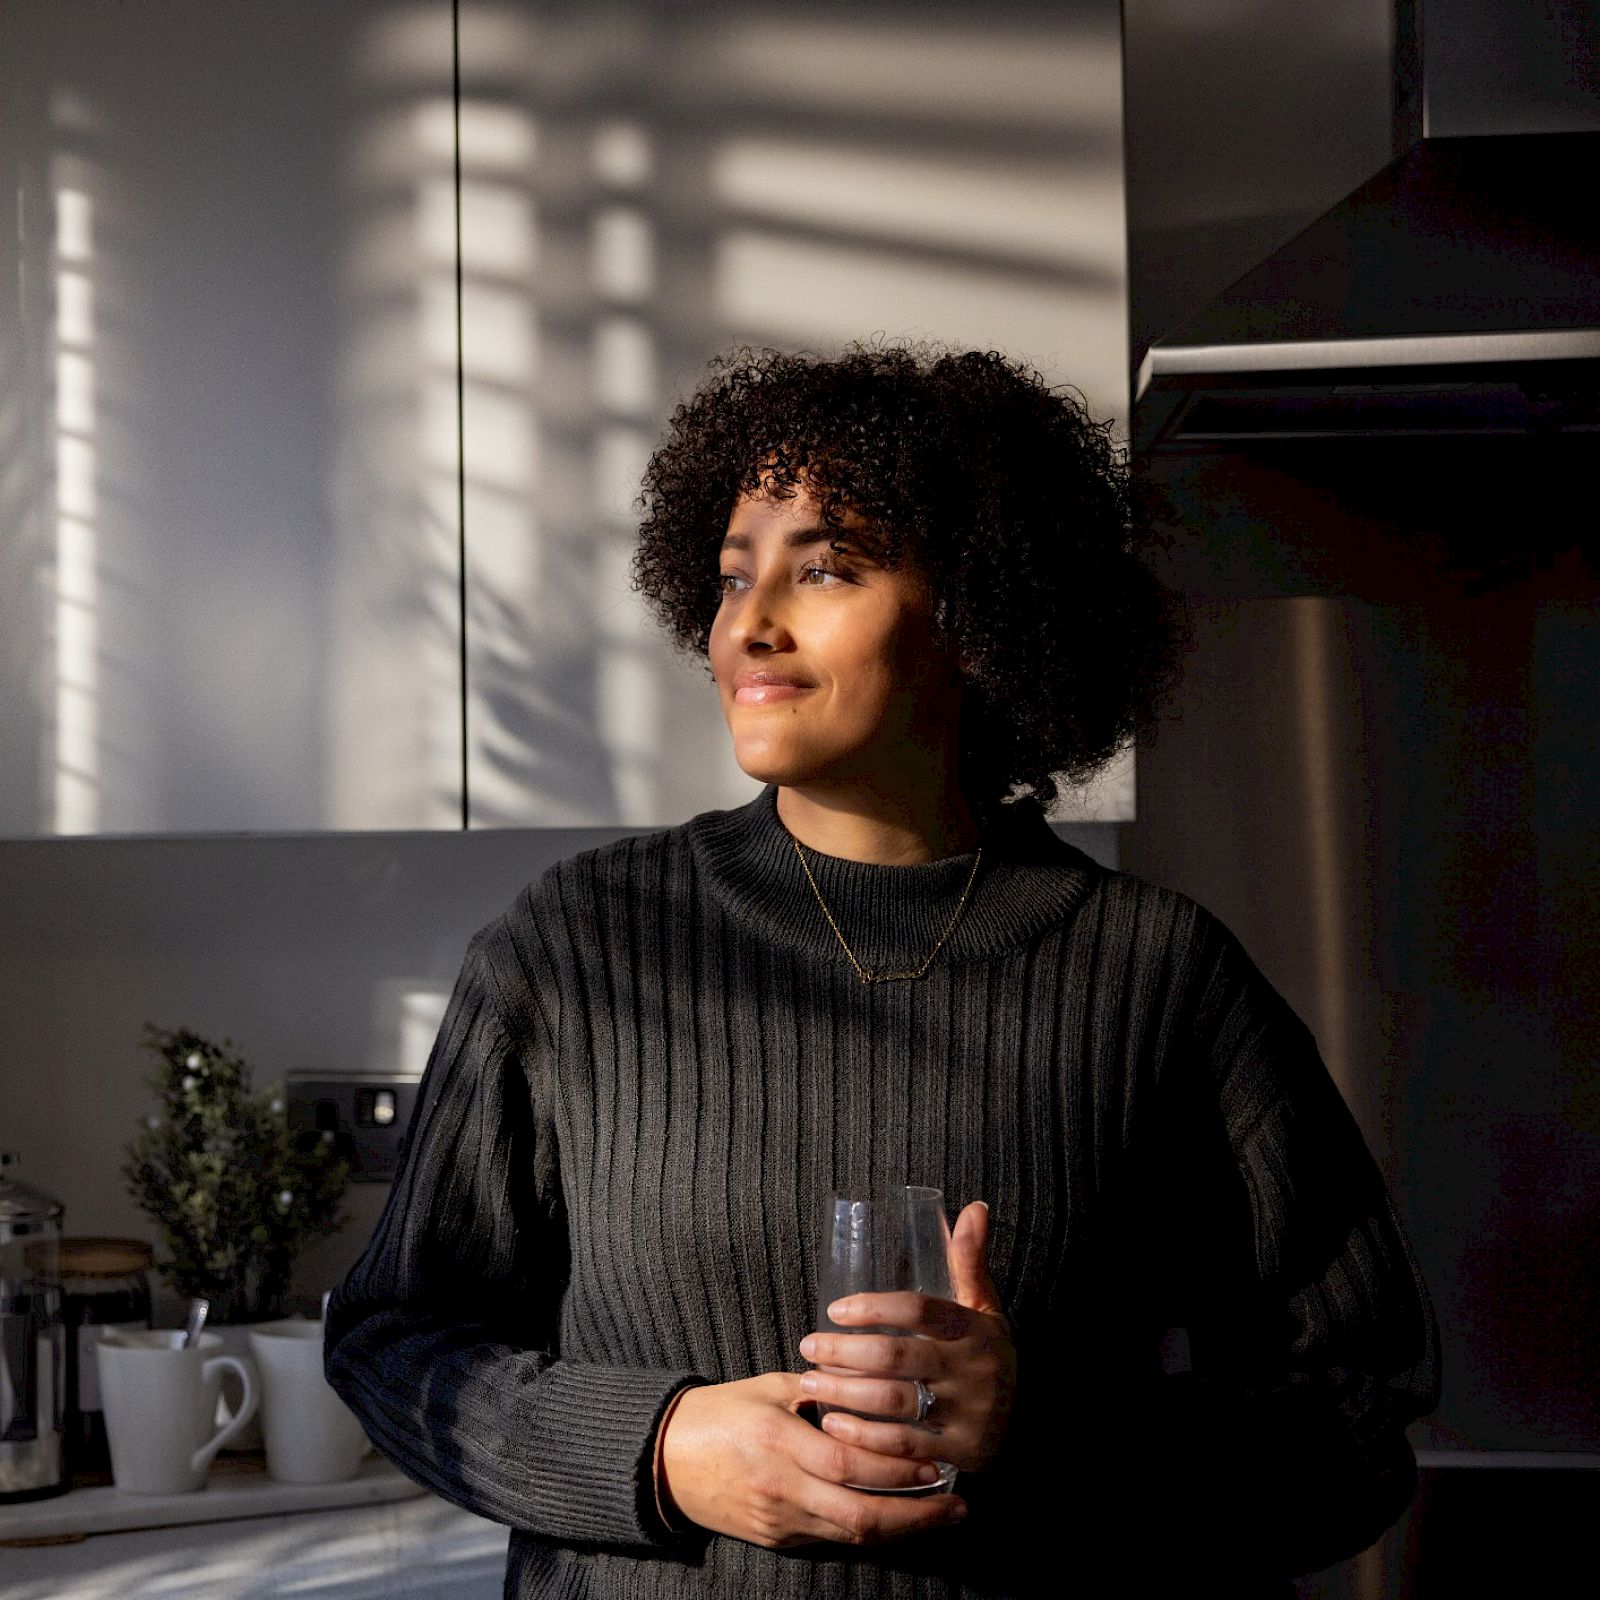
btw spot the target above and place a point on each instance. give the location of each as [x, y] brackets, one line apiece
[858, 823]
[891, 915]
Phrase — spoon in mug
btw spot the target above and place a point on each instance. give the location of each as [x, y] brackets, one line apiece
[197, 1320]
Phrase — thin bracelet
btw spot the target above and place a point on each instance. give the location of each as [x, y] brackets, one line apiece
[660, 1451]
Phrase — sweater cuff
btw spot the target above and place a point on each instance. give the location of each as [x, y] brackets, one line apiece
[591, 1450]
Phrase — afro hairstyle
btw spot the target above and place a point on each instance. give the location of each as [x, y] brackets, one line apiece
[1016, 505]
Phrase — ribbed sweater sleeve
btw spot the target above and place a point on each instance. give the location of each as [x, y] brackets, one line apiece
[1312, 1337]
[441, 1337]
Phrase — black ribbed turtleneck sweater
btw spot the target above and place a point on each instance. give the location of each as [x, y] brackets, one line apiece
[657, 1062]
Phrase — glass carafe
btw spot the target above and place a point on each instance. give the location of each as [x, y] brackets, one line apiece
[33, 1457]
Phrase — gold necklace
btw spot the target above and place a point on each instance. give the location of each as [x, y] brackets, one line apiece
[861, 971]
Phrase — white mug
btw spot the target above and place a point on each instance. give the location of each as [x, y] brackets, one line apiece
[312, 1436]
[160, 1404]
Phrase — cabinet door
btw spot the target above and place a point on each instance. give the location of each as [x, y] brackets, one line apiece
[638, 195]
[230, 480]
[228, 469]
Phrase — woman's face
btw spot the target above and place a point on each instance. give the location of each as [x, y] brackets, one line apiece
[874, 700]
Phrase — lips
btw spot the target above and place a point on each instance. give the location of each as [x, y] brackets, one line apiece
[766, 688]
[761, 694]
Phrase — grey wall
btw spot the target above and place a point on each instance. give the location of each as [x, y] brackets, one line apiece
[299, 948]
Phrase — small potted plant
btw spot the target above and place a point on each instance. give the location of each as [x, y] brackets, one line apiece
[236, 1193]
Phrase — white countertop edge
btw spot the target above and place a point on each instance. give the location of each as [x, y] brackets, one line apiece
[105, 1509]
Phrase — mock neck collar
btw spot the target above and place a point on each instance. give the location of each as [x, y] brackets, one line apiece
[892, 916]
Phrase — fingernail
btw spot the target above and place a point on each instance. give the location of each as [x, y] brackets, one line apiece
[808, 1347]
[809, 1384]
[957, 1511]
[927, 1474]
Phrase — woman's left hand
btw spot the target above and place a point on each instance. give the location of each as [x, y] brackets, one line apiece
[968, 1360]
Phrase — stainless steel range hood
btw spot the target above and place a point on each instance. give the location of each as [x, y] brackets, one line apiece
[1456, 293]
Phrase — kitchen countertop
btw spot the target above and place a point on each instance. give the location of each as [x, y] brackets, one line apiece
[236, 1486]
[422, 1548]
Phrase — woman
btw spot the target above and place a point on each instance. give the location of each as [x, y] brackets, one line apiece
[589, 1308]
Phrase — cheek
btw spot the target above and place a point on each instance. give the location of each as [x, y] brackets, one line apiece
[869, 702]
[863, 662]
[901, 662]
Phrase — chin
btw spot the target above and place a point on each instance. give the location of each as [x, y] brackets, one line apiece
[767, 768]
[759, 759]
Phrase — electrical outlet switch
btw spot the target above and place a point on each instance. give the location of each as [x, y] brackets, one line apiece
[367, 1114]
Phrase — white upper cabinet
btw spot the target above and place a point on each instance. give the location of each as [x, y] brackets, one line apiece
[227, 419]
[271, 274]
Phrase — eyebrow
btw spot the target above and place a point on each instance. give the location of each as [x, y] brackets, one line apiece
[794, 540]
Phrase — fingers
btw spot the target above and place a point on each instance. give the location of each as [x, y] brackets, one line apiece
[902, 1440]
[883, 1398]
[883, 1353]
[799, 1487]
[850, 1517]
[824, 1456]
[831, 1468]
[910, 1309]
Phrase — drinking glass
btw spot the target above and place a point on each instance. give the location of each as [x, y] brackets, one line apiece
[873, 1242]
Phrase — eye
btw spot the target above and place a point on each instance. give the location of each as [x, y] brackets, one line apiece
[724, 578]
[832, 572]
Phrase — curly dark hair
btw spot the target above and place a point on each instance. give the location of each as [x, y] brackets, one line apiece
[1016, 505]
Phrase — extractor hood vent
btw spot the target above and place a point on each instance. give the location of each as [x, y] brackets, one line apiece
[1457, 293]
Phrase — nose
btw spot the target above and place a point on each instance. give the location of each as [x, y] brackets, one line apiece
[762, 617]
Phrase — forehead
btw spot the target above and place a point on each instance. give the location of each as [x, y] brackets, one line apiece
[796, 520]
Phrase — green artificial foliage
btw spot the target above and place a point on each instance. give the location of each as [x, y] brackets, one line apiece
[236, 1192]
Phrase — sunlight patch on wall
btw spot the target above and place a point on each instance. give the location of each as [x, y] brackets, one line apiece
[629, 685]
[1108, 797]
[77, 683]
[393, 740]
[1044, 211]
[622, 252]
[438, 407]
[502, 362]
[794, 289]
[703, 180]
[1065, 77]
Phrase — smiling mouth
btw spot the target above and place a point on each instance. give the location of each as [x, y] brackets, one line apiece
[760, 694]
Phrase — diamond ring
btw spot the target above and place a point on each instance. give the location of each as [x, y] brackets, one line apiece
[924, 1401]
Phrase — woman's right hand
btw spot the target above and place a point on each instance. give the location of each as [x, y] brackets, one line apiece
[739, 1459]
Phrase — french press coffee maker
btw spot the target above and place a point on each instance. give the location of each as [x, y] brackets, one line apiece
[33, 1457]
